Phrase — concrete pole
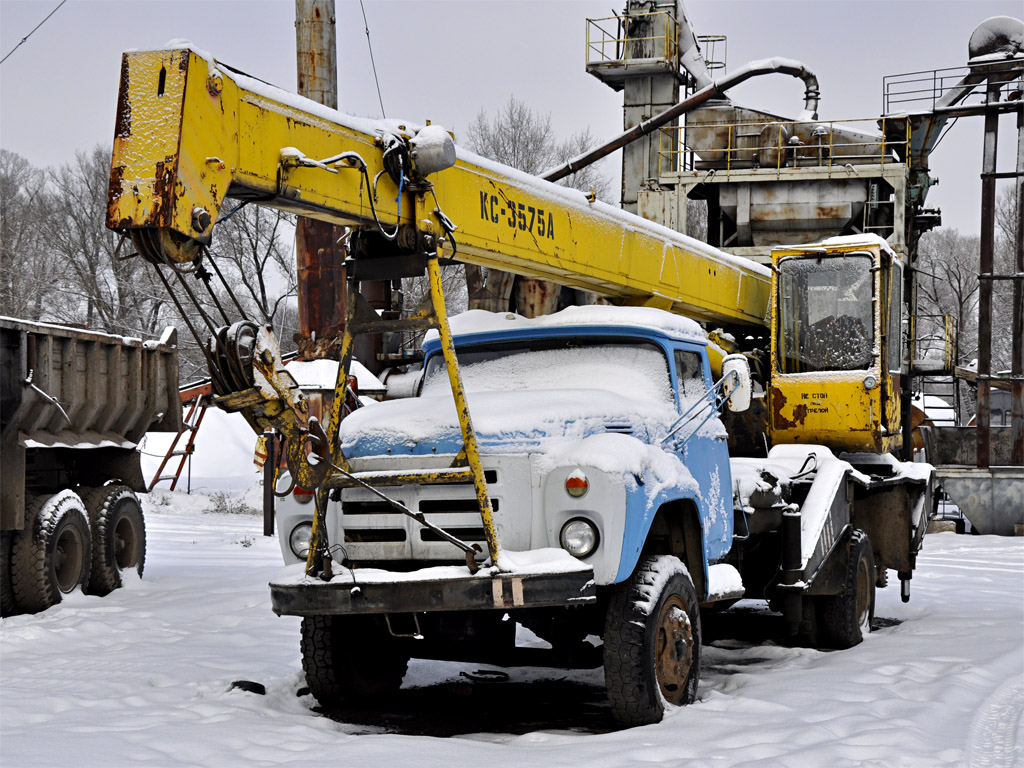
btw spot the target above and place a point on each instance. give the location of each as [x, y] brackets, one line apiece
[320, 262]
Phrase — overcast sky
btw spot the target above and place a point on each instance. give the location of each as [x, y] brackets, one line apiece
[445, 61]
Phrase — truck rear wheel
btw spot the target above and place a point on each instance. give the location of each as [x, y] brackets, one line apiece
[845, 619]
[8, 605]
[50, 556]
[349, 659]
[118, 536]
[652, 642]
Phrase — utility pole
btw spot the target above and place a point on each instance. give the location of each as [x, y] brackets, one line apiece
[320, 261]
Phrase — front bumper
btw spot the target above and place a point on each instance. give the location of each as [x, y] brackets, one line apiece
[443, 588]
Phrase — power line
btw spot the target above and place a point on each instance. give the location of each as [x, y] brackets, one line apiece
[372, 64]
[37, 26]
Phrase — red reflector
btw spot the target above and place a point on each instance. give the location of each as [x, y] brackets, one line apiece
[576, 484]
[302, 492]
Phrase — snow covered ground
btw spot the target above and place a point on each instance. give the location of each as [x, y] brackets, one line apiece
[143, 678]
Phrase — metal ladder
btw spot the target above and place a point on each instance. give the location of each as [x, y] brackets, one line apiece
[199, 400]
[465, 467]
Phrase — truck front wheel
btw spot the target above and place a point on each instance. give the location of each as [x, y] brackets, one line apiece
[51, 555]
[351, 659]
[652, 642]
[118, 536]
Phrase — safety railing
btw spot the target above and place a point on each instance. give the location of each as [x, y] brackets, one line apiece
[777, 145]
[715, 50]
[636, 37]
[922, 91]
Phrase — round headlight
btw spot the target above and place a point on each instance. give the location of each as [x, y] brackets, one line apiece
[870, 382]
[299, 539]
[579, 537]
[577, 485]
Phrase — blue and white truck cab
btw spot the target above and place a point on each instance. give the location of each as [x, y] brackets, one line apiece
[608, 472]
[619, 513]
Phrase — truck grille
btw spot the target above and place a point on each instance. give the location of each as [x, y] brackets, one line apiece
[376, 533]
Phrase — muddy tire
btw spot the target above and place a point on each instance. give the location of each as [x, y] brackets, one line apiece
[845, 619]
[652, 642]
[8, 605]
[352, 659]
[50, 557]
[118, 536]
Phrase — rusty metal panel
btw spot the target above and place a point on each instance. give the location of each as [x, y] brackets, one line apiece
[113, 403]
[957, 446]
[989, 497]
[894, 516]
[534, 298]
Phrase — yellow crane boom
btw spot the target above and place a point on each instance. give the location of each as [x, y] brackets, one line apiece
[190, 133]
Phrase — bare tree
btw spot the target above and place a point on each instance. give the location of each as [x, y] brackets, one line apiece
[28, 274]
[1008, 235]
[524, 139]
[948, 285]
[110, 290]
[253, 243]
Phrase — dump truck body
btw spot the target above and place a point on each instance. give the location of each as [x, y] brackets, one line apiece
[74, 405]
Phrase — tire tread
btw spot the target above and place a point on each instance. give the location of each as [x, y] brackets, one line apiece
[31, 580]
[633, 699]
[102, 505]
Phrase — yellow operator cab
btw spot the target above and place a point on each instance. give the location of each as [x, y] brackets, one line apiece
[837, 355]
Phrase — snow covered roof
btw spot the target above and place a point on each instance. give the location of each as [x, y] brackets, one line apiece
[862, 240]
[479, 321]
[322, 374]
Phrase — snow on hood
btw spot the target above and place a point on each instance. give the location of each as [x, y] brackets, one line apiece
[505, 422]
[634, 459]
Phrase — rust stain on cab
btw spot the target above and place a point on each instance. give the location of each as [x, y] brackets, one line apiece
[779, 421]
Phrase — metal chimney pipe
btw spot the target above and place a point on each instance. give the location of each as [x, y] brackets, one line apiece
[714, 90]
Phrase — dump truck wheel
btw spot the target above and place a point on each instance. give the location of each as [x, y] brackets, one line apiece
[652, 642]
[50, 556]
[118, 536]
[8, 605]
[845, 619]
[350, 659]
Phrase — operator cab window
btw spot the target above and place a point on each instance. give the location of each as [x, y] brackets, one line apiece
[826, 313]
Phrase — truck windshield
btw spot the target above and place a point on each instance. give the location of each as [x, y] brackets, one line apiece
[825, 314]
[637, 370]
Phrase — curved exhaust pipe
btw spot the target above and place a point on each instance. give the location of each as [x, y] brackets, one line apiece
[714, 90]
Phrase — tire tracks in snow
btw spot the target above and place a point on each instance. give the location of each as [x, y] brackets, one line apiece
[996, 738]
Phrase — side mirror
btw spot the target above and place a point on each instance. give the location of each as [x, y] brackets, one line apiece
[736, 385]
